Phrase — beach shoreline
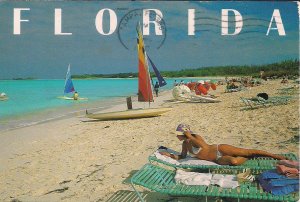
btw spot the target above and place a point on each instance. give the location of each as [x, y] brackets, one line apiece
[65, 112]
[78, 159]
[26, 119]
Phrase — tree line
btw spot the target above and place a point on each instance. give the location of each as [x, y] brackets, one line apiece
[279, 69]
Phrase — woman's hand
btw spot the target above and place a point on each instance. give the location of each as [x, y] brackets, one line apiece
[187, 133]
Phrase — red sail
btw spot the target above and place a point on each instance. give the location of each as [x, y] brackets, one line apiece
[145, 89]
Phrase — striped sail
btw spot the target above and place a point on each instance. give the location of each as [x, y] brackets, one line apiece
[69, 87]
[145, 88]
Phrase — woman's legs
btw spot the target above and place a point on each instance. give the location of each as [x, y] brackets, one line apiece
[229, 160]
[228, 150]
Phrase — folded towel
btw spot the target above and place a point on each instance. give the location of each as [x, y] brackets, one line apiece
[165, 158]
[277, 184]
[268, 186]
[192, 178]
[283, 182]
[289, 163]
[271, 174]
[186, 161]
[206, 179]
[287, 171]
[225, 181]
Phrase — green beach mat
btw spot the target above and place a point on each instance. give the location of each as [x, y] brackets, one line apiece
[162, 180]
[258, 163]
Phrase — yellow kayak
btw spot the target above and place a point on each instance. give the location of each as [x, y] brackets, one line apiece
[129, 114]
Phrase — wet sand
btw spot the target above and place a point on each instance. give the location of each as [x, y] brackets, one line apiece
[77, 159]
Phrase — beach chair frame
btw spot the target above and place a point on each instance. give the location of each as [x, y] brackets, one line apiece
[287, 91]
[253, 103]
[162, 180]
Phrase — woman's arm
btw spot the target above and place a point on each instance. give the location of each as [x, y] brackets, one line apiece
[197, 139]
[178, 157]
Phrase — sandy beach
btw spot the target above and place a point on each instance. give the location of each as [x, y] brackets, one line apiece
[77, 159]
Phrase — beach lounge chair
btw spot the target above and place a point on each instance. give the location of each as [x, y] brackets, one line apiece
[231, 90]
[162, 180]
[287, 90]
[257, 165]
[256, 102]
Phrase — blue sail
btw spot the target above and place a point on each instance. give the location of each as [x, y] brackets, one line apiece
[69, 87]
[161, 80]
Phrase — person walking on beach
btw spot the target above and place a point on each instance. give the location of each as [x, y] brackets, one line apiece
[222, 154]
[156, 87]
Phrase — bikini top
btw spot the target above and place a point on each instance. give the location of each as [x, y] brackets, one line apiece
[196, 150]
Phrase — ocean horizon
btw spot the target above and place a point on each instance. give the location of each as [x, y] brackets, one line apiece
[36, 101]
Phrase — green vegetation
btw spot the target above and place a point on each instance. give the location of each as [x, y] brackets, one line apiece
[288, 67]
[94, 76]
[28, 78]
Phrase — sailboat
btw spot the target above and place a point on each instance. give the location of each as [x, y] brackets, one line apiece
[69, 87]
[145, 93]
[161, 80]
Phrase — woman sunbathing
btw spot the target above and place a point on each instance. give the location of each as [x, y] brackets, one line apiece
[222, 154]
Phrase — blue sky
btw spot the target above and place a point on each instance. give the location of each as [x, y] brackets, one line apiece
[38, 53]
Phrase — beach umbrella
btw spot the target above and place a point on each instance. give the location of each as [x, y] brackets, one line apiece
[192, 85]
[201, 89]
[206, 85]
[213, 86]
[201, 81]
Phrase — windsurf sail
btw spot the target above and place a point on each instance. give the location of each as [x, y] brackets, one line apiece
[161, 80]
[145, 88]
[69, 87]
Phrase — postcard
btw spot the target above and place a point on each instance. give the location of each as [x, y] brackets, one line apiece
[120, 100]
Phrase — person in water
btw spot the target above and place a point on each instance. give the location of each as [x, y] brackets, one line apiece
[222, 154]
[75, 96]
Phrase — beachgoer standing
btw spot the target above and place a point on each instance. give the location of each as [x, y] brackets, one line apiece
[175, 83]
[156, 87]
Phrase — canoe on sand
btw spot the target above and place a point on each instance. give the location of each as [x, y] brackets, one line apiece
[129, 114]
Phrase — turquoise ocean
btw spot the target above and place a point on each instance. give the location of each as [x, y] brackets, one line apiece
[35, 101]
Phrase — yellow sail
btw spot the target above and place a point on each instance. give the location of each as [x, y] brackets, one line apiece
[145, 90]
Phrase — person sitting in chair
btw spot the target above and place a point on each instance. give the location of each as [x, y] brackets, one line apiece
[222, 154]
